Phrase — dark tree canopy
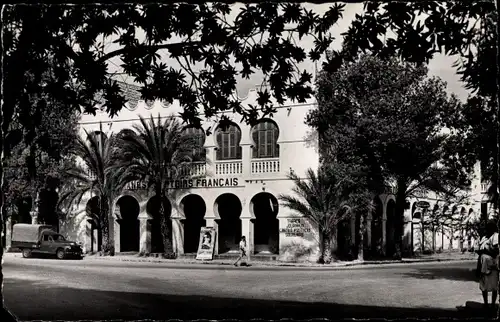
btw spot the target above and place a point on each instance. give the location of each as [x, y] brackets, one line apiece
[211, 48]
[417, 31]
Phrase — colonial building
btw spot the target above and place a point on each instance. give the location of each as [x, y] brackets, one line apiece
[237, 193]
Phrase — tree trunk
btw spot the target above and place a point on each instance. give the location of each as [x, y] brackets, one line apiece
[433, 238]
[423, 232]
[106, 247]
[166, 232]
[327, 249]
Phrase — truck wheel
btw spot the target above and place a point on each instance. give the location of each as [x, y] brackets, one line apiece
[26, 253]
[60, 253]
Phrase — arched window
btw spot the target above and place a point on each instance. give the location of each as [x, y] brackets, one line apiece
[198, 136]
[265, 135]
[228, 142]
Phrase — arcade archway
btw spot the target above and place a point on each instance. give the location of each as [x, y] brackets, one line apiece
[376, 228]
[390, 228]
[416, 228]
[264, 206]
[228, 207]
[129, 224]
[153, 209]
[194, 209]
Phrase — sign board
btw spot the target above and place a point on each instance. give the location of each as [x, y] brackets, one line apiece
[189, 183]
[296, 227]
[423, 204]
[207, 244]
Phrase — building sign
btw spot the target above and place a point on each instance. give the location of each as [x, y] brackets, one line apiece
[207, 244]
[189, 183]
[423, 204]
[296, 227]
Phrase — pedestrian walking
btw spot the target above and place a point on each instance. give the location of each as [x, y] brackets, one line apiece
[243, 252]
[488, 263]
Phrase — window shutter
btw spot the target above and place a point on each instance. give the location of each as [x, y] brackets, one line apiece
[232, 145]
[255, 138]
[218, 153]
[237, 143]
[262, 144]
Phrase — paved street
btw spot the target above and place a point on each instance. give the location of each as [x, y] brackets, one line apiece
[98, 289]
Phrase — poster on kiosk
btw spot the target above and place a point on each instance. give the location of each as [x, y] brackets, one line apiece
[207, 244]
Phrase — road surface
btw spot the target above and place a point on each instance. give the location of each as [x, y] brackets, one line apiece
[49, 289]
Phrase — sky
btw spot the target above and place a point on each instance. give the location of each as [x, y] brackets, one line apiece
[440, 66]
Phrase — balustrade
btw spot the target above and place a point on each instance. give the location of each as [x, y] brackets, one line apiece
[265, 166]
[228, 167]
[195, 169]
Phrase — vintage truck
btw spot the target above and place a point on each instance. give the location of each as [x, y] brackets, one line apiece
[43, 239]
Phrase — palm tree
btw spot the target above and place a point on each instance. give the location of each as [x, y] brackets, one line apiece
[156, 153]
[326, 200]
[93, 176]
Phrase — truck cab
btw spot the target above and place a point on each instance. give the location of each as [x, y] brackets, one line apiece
[43, 239]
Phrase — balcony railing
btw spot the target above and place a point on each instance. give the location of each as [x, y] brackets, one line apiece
[195, 169]
[228, 167]
[265, 166]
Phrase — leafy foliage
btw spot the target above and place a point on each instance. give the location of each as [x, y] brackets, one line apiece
[327, 198]
[416, 32]
[156, 152]
[43, 171]
[391, 116]
[91, 176]
[210, 47]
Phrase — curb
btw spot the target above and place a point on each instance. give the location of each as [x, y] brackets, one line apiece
[278, 264]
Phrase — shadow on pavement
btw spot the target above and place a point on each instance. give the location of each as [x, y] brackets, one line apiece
[65, 303]
[443, 272]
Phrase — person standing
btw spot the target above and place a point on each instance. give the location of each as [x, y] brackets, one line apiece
[243, 252]
[488, 266]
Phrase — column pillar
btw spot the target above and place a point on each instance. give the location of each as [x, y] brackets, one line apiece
[116, 233]
[384, 226]
[89, 234]
[247, 227]
[353, 231]
[95, 239]
[246, 156]
[144, 233]
[177, 232]
[368, 225]
[8, 234]
[211, 155]
[34, 217]
[211, 221]
[384, 236]
[334, 241]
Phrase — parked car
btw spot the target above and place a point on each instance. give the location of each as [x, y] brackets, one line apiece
[43, 239]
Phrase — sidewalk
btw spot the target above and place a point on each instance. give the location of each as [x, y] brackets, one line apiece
[443, 257]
